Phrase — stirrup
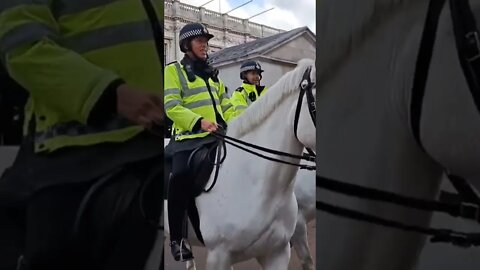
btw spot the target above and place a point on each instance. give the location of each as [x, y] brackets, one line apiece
[185, 242]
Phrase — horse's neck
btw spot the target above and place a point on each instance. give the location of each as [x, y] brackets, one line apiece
[354, 23]
[366, 116]
[364, 138]
[275, 132]
[450, 124]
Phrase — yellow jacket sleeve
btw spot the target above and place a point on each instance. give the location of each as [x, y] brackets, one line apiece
[55, 76]
[228, 109]
[239, 102]
[181, 116]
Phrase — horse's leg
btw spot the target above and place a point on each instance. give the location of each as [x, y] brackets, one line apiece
[218, 259]
[300, 243]
[191, 265]
[276, 261]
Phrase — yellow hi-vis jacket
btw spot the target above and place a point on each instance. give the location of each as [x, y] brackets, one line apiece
[66, 53]
[186, 102]
[241, 97]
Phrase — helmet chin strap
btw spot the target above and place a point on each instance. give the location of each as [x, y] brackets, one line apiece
[194, 56]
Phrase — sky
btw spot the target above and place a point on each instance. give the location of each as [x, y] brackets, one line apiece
[286, 15]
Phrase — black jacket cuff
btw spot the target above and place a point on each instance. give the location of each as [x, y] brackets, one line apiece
[106, 106]
[198, 125]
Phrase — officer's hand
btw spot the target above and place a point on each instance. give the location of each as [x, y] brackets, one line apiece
[208, 126]
[140, 107]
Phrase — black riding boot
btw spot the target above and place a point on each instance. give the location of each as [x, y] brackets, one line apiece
[178, 220]
[178, 197]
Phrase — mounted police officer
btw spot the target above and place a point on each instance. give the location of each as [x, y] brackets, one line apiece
[88, 174]
[251, 90]
[197, 103]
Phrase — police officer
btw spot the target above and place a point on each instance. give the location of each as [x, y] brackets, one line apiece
[197, 103]
[251, 90]
[88, 173]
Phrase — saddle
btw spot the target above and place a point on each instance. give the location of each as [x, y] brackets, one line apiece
[200, 165]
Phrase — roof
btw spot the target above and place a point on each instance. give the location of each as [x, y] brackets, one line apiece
[256, 47]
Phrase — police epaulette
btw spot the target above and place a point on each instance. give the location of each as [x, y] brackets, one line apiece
[173, 62]
[239, 89]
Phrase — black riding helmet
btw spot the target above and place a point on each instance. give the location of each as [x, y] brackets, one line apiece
[250, 65]
[190, 31]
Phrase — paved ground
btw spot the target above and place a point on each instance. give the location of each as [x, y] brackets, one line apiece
[200, 256]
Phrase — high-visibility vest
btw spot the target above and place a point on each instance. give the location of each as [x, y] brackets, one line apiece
[186, 102]
[66, 53]
[242, 97]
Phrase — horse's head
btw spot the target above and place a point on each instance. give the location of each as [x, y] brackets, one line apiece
[305, 108]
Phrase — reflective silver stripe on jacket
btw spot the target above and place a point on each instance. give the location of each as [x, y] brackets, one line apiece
[74, 128]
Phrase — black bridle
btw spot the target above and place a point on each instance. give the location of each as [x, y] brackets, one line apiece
[465, 204]
[306, 88]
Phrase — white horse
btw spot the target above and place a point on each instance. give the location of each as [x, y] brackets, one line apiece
[304, 192]
[251, 211]
[366, 63]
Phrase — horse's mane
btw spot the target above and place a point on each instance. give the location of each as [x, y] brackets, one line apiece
[266, 104]
[345, 24]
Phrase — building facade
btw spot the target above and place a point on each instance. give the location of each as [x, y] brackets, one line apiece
[277, 54]
[237, 40]
[228, 30]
